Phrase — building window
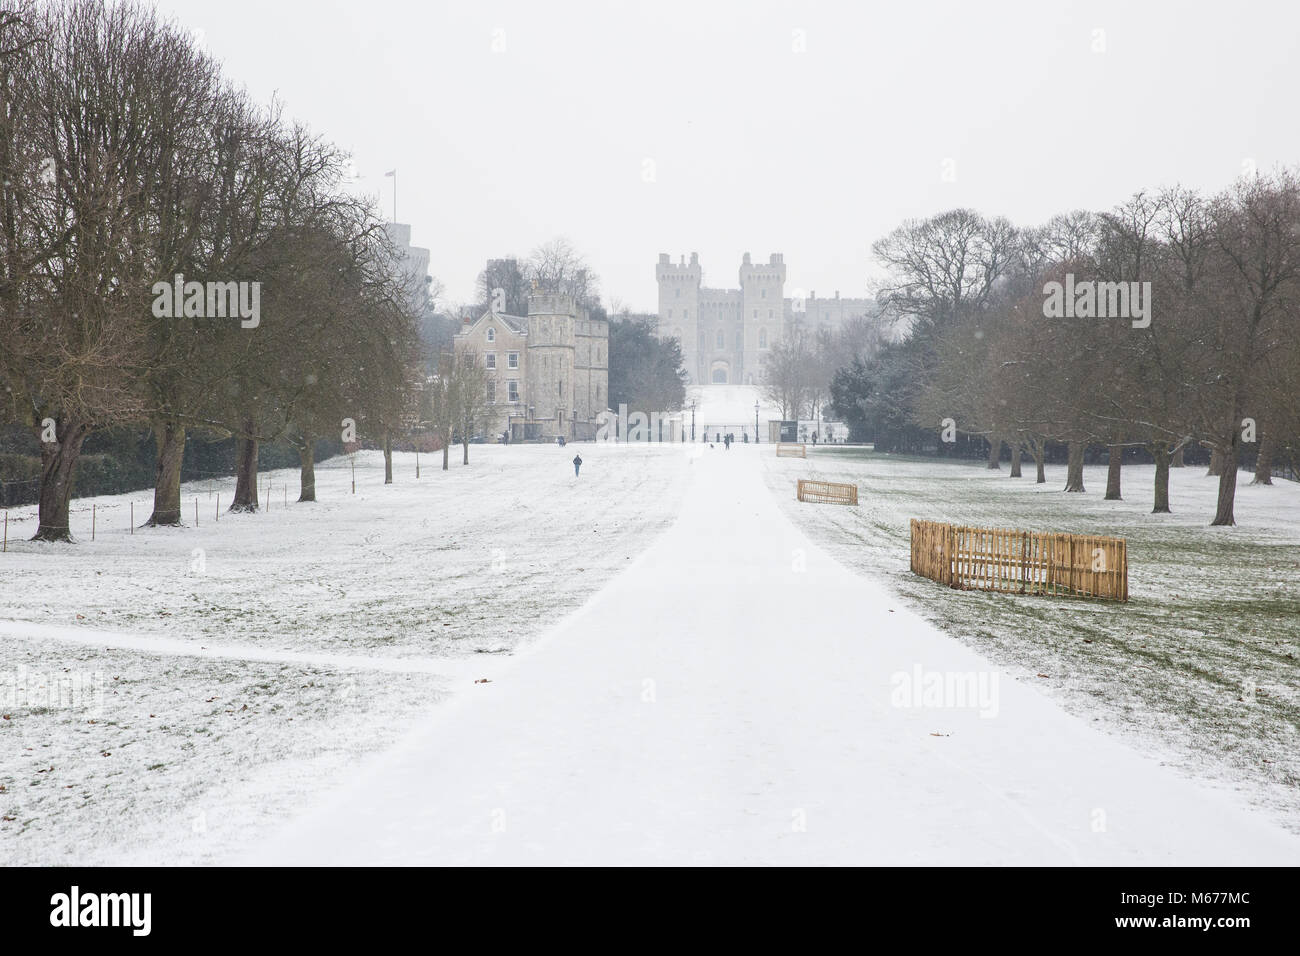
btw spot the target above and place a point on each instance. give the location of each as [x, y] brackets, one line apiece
[491, 334]
[686, 313]
[740, 340]
[770, 314]
[492, 391]
[670, 313]
[762, 338]
[491, 359]
[512, 390]
[678, 292]
[512, 360]
[762, 294]
[722, 342]
[756, 313]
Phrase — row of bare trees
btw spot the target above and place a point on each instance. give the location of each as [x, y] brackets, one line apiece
[1215, 360]
[130, 167]
[798, 368]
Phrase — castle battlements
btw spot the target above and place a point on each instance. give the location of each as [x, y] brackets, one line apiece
[726, 334]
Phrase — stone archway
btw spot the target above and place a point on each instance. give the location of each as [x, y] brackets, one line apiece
[719, 373]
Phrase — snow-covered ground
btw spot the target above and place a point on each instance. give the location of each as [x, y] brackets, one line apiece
[681, 665]
[1201, 668]
[739, 697]
[208, 680]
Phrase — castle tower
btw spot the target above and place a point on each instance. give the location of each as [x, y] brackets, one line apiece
[679, 307]
[763, 314]
[552, 328]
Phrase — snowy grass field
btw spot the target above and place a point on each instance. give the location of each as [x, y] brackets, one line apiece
[169, 692]
[1211, 610]
[216, 686]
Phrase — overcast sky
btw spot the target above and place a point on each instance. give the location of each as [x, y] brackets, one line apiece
[750, 145]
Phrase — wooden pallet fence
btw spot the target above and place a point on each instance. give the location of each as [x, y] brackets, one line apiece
[827, 492]
[1021, 562]
[789, 450]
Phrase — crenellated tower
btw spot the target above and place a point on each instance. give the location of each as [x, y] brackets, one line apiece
[762, 289]
[679, 305]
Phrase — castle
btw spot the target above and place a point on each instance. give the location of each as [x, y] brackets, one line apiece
[725, 333]
[548, 371]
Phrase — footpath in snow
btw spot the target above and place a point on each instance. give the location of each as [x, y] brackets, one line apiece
[733, 698]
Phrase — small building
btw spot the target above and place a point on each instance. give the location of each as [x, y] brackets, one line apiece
[825, 432]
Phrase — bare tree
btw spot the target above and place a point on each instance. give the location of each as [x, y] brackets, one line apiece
[786, 374]
[469, 395]
[555, 266]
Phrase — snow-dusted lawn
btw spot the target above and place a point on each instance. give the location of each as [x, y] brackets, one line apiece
[240, 680]
[469, 560]
[733, 699]
[1210, 608]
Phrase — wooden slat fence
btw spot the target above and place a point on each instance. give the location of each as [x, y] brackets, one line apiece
[827, 492]
[1021, 562]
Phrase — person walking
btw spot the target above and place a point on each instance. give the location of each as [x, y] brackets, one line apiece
[577, 463]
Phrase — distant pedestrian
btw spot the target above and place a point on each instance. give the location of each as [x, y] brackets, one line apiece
[577, 463]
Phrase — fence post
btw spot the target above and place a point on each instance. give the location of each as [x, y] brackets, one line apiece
[949, 555]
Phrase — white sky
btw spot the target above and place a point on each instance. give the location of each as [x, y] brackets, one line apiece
[757, 148]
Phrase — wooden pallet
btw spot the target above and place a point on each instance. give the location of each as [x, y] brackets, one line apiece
[827, 492]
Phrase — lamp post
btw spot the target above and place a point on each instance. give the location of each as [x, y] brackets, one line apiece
[755, 421]
[692, 421]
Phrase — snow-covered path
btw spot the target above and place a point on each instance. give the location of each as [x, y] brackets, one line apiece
[690, 713]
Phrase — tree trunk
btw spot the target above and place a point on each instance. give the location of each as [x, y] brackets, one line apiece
[307, 469]
[58, 468]
[1264, 463]
[1227, 484]
[1177, 461]
[446, 452]
[1074, 470]
[1113, 473]
[1160, 452]
[388, 457]
[1015, 459]
[1216, 463]
[995, 452]
[1039, 450]
[245, 472]
[169, 439]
